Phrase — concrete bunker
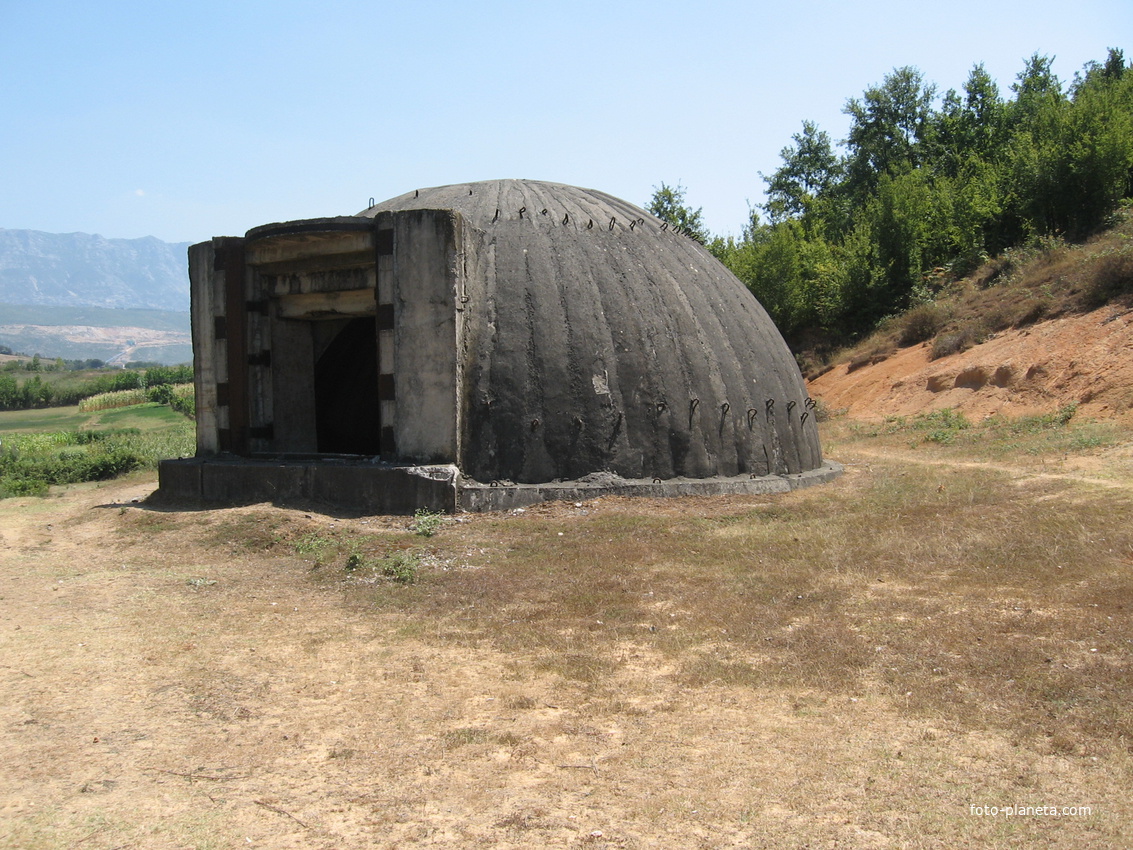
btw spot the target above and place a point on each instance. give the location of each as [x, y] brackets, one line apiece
[481, 346]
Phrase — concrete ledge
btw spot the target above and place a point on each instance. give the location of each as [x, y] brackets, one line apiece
[358, 486]
[375, 488]
[474, 496]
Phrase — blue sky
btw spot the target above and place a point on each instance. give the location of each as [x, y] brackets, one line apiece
[193, 119]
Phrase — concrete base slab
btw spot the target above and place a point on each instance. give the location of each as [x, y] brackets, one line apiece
[373, 488]
[358, 486]
[473, 496]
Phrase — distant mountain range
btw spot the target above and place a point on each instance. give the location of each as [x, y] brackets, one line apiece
[80, 296]
[80, 269]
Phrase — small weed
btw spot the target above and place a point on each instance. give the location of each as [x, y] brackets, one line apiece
[314, 545]
[400, 566]
[200, 582]
[427, 522]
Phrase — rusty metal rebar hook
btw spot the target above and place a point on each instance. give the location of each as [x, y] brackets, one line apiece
[751, 414]
[770, 405]
[566, 218]
[791, 406]
[522, 210]
[724, 408]
[613, 221]
[590, 224]
[803, 420]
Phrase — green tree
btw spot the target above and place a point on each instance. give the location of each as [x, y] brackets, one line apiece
[668, 204]
[1038, 92]
[969, 128]
[888, 129]
[810, 170]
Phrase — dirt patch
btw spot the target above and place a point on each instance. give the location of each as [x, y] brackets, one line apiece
[1086, 360]
[572, 675]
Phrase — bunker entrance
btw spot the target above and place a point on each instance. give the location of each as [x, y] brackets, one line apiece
[347, 410]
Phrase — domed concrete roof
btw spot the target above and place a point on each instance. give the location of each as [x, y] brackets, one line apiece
[596, 339]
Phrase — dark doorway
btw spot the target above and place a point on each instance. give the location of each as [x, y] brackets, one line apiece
[347, 410]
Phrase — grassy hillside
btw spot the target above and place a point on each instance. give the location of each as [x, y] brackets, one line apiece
[1044, 279]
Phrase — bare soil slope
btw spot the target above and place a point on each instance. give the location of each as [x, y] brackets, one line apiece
[1085, 360]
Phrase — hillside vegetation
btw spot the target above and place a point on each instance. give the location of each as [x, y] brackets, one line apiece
[926, 190]
[1047, 278]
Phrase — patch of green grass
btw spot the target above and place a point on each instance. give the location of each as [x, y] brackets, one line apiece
[314, 545]
[45, 419]
[31, 461]
[1055, 433]
[359, 556]
[939, 426]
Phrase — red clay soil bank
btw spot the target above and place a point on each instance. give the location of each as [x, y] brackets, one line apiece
[1085, 360]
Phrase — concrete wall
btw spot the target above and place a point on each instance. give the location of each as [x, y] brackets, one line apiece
[208, 287]
[426, 271]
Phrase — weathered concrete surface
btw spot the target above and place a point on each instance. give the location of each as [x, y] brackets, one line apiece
[474, 496]
[515, 330]
[425, 270]
[594, 338]
[361, 487]
[375, 488]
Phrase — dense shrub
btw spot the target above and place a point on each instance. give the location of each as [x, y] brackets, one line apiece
[30, 463]
[921, 323]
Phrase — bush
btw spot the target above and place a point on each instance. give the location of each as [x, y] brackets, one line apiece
[1112, 277]
[161, 394]
[920, 324]
[953, 343]
[184, 400]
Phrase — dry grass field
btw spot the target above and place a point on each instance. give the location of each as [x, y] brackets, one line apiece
[873, 663]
